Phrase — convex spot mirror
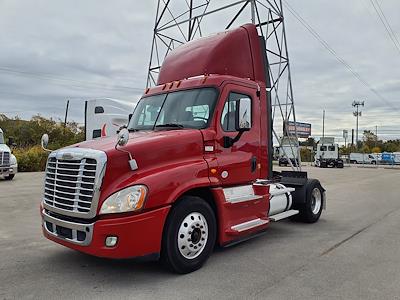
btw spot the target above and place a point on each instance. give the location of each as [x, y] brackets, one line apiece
[243, 114]
[44, 141]
[123, 137]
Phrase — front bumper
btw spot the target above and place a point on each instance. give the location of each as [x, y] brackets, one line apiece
[8, 170]
[138, 235]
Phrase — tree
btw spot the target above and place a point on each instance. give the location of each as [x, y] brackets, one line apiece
[370, 139]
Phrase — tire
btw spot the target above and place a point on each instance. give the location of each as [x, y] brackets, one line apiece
[373, 162]
[310, 211]
[179, 252]
[9, 177]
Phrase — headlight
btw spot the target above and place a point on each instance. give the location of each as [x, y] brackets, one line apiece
[13, 160]
[128, 199]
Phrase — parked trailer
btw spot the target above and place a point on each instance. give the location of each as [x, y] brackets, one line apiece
[289, 151]
[8, 161]
[193, 168]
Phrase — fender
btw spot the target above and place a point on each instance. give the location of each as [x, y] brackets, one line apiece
[166, 183]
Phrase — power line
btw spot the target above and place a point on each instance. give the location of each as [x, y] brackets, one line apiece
[325, 44]
[63, 80]
[386, 24]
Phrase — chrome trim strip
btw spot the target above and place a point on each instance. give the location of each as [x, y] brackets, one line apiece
[87, 228]
[249, 225]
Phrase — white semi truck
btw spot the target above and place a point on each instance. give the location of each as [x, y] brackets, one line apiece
[8, 161]
[327, 154]
[105, 116]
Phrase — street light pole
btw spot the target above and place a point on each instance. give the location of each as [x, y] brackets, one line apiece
[357, 114]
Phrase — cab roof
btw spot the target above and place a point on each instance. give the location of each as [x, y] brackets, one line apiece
[236, 52]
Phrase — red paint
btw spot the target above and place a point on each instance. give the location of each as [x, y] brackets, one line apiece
[174, 162]
[138, 235]
[103, 131]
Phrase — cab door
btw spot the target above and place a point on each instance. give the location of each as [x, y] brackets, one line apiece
[239, 163]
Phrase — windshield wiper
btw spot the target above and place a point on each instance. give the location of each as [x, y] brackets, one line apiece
[172, 125]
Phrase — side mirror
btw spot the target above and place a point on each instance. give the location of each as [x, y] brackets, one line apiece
[123, 137]
[45, 142]
[243, 115]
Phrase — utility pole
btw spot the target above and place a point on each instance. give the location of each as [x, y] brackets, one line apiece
[357, 114]
[66, 114]
[376, 135]
[323, 124]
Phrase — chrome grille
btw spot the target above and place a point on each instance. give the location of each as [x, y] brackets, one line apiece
[4, 159]
[72, 182]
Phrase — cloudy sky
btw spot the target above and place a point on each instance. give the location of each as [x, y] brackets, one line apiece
[52, 51]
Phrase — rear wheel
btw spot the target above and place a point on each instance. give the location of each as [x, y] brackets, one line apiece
[9, 177]
[189, 235]
[311, 210]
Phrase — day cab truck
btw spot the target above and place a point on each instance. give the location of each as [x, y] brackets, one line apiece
[8, 161]
[327, 154]
[192, 169]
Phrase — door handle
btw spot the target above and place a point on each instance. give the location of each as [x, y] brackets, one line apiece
[253, 164]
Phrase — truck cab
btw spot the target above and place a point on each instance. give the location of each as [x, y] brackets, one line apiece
[327, 154]
[8, 162]
[192, 169]
[105, 116]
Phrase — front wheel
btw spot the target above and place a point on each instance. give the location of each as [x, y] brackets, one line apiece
[189, 235]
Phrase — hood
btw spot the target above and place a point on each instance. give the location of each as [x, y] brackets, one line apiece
[153, 151]
[4, 148]
[140, 139]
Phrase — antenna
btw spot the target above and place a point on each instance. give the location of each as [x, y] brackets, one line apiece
[179, 21]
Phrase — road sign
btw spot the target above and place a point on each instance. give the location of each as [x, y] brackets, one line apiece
[345, 134]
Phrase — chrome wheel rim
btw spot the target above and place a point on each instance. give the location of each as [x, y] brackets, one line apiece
[316, 201]
[192, 235]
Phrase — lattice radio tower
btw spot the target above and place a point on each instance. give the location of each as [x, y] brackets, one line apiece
[179, 21]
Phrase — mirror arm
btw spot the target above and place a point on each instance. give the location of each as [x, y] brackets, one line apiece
[228, 141]
[123, 150]
[47, 150]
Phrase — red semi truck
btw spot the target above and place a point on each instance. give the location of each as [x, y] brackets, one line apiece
[192, 170]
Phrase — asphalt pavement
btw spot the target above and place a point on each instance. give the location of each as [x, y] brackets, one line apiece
[353, 252]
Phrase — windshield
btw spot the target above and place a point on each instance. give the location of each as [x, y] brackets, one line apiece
[1, 138]
[182, 109]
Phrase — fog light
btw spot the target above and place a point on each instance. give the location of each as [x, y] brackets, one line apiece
[111, 241]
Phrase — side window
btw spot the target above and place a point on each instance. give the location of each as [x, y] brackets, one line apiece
[98, 110]
[96, 133]
[228, 117]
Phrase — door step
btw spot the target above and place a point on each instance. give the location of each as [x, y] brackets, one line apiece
[248, 225]
[284, 215]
